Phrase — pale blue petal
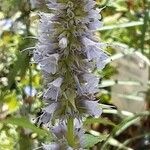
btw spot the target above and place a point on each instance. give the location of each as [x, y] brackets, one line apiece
[30, 91]
[49, 64]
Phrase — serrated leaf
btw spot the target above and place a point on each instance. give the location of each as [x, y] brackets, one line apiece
[91, 140]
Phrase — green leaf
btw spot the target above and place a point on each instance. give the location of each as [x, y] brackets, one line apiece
[124, 125]
[99, 120]
[123, 25]
[134, 139]
[131, 97]
[107, 83]
[116, 143]
[91, 140]
[25, 143]
[25, 123]
[119, 113]
[11, 102]
[144, 29]
[19, 67]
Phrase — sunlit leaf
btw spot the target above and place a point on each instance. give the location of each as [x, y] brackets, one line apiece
[116, 112]
[11, 102]
[91, 140]
[107, 83]
[25, 123]
[123, 25]
[116, 143]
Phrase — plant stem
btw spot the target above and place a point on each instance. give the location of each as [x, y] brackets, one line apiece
[70, 131]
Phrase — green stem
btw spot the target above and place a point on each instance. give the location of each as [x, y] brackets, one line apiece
[70, 131]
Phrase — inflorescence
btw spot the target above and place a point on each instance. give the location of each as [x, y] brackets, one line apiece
[68, 53]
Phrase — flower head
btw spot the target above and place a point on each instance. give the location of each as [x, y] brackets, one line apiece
[68, 52]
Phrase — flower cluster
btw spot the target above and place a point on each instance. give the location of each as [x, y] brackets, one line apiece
[67, 53]
[60, 135]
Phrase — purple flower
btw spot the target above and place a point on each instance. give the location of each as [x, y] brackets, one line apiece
[88, 106]
[49, 63]
[53, 90]
[68, 52]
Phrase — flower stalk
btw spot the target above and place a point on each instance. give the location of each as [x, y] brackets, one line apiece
[70, 132]
[67, 53]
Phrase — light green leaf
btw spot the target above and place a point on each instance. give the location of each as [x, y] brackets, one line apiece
[119, 113]
[91, 140]
[123, 25]
[25, 123]
[107, 83]
[131, 97]
[116, 143]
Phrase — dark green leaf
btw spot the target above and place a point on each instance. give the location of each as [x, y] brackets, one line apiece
[124, 125]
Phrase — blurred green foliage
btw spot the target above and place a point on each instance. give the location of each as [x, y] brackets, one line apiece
[125, 21]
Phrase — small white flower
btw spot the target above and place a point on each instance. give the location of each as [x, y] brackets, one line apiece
[63, 42]
[30, 91]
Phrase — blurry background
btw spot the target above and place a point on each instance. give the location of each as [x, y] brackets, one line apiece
[125, 84]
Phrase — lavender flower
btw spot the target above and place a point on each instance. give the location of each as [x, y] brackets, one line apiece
[67, 53]
[88, 106]
[60, 132]
[53, 90]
